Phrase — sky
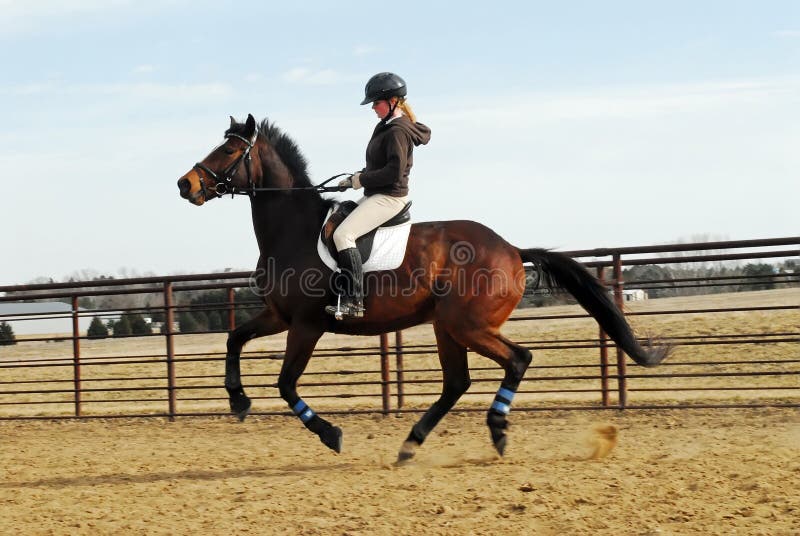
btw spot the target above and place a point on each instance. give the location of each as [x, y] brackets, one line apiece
[566, 125]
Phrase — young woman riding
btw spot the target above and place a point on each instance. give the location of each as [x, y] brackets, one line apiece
[384, 179]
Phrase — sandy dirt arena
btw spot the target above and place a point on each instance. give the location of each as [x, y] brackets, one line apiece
[733, 471]
[671, 472]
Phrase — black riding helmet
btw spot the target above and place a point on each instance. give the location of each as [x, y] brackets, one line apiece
[384, 86]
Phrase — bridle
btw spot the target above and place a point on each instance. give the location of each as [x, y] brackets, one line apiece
[222, 182]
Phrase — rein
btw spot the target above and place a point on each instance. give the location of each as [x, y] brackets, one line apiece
[222, 184]
[235, 190]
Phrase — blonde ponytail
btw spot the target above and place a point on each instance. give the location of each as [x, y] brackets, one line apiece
[406, 108]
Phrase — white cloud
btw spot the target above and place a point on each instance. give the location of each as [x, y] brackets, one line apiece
[166, 91]
[142, 69]
[253, 77]
[22, 9]
[296, 74]
[364, 50]
[621, 103]
[682, 159]
[22, 90]
[304, 75]
[136, 90]
[19, 16]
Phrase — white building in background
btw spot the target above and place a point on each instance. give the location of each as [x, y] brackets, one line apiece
[635, 294]
[42, 318]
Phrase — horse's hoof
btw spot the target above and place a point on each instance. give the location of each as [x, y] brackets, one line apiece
[403, 458]
[240, 406]
[243, 414]
[407, 451]
[331, 437]
[500, 445]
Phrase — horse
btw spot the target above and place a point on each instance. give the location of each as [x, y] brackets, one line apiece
[460, 276]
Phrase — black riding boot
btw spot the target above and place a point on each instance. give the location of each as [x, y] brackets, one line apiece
[352, 301]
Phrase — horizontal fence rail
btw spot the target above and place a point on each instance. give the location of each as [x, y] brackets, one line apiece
[733, 348]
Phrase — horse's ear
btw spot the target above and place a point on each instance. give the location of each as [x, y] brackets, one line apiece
[250, 126]
[233, 122]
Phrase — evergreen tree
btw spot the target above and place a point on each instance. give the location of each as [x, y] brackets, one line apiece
[764, 272]
[139, 326]
[97, 330]
[86, 302]
[242, 316]
[123, 327]
[201, 319]
[7, 336]
[247, 305]
[215, 321]
[187, 323]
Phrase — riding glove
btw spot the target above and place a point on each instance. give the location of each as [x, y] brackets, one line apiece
[344, 184]
[356, 180]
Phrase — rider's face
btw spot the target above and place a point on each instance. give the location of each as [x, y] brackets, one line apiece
[381, 108]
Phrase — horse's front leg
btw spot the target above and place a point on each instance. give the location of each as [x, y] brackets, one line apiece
[300, 345]
[265, 323]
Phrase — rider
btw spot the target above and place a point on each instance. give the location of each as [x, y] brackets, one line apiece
[384, 179]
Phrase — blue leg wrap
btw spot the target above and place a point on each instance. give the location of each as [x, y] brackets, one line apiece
[502, 400]
[302, 410]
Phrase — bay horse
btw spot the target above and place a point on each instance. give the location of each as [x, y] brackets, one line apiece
[458, 275]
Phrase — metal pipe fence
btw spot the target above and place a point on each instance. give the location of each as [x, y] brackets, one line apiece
[742, 353]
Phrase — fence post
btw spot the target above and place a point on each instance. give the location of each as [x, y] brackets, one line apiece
[398, 350]
[169, 314]
[76, 355]
[231, 310]
[385, 387]
[622, 379]
[603, 338]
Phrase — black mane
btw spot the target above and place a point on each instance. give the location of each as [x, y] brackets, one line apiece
[286, 148]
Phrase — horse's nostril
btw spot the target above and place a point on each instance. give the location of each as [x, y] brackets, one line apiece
[184, 186]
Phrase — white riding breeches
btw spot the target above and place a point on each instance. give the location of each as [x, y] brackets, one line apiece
[370, 213]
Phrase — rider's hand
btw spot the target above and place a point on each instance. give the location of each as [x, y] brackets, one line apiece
[356, 180]
[344, 184]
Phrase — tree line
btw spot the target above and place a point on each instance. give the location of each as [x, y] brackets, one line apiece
[208, 310]
[198, 311]
[664, 281]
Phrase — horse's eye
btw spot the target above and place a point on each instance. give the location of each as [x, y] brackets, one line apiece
[228, 151]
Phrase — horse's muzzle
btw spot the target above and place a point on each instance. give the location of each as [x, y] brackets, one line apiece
[185, 187]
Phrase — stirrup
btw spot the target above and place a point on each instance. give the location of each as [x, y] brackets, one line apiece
[349, 309]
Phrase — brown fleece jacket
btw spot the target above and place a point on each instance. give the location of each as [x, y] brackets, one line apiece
[390, 156]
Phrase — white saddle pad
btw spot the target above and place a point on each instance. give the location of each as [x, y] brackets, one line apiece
[388, 248]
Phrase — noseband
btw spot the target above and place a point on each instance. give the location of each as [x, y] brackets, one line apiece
[222, 182]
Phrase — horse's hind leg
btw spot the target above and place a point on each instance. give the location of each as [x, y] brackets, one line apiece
[515, 360]
[265, 323]
[455, 382]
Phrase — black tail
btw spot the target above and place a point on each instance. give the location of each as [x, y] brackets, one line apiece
[594, 297]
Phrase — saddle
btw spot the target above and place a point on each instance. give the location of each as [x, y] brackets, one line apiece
[364, 242]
